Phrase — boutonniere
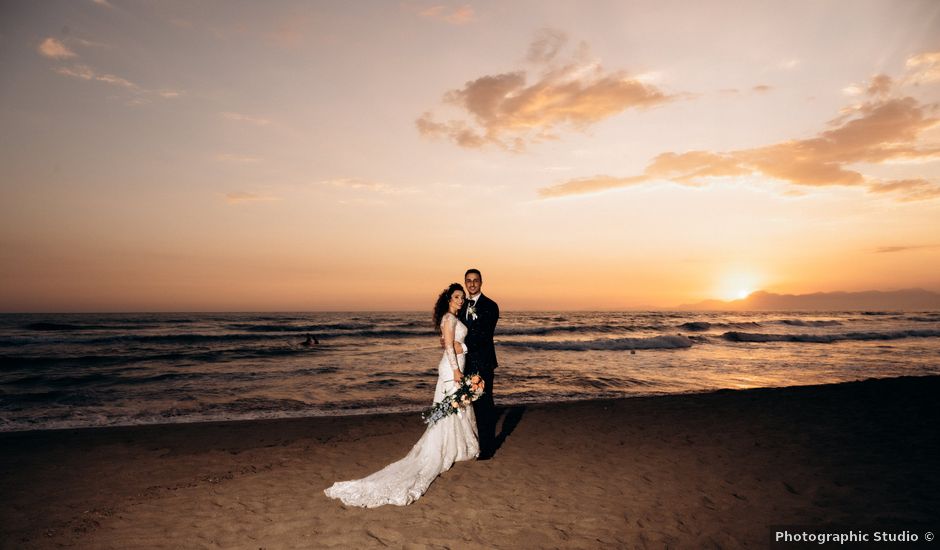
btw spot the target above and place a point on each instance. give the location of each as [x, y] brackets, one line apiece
[472, 312]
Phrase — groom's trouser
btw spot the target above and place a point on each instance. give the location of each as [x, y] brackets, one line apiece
[485, 411]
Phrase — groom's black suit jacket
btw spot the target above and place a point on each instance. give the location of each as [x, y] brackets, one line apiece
[481, 355]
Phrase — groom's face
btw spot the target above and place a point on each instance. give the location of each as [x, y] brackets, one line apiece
[473, 282]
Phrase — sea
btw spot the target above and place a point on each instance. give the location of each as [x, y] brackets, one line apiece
[89, 370]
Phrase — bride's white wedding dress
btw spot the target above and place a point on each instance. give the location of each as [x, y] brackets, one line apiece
[450, 439]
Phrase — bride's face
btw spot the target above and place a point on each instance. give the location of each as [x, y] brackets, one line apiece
[456, 300]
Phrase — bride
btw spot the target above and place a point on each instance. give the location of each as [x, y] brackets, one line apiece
[450, 439]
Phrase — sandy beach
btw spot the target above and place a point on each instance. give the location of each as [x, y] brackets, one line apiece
[687, 471]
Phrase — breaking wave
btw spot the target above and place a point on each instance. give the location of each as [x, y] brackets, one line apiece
[606, 344]
[828, 338]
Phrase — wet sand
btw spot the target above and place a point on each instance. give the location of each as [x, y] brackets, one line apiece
[691, 471]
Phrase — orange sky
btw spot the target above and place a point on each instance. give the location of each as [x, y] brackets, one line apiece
[297, 156]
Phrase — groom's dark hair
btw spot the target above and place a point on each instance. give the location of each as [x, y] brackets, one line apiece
[473, 270]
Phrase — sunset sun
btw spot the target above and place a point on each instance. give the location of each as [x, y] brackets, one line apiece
[737, 285]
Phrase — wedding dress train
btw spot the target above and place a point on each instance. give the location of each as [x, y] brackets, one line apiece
[450, 439]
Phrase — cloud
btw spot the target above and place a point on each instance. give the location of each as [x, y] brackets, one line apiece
[852, 90]
[923, 68]
[85, 72]
[757, 89]
[142, 95]
[456, 16]
[90, 43]
[890, 249]
[54, 49]
[239, 197]
[591, 184]
[883, 128]
[104, 3]
[547, 45]
[507, 111]
[238, 117]
[366, 185]
[908, 190]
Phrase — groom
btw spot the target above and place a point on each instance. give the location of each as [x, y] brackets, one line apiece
[480, 314]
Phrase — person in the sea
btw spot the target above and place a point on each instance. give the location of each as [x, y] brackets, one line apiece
[310, 341]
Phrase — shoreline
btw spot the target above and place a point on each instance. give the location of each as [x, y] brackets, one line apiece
[701, 470]
[415, 410]
[404, 410]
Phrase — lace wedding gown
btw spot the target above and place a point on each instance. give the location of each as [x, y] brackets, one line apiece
[450, 439]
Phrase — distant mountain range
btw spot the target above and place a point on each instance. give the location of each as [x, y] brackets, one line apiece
[916, 299]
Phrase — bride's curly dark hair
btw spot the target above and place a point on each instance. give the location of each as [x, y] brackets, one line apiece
[443, 301]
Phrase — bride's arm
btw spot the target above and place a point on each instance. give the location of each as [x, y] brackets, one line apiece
[461, 348]
[448, 331]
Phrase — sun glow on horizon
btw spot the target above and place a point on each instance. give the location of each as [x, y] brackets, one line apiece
[737, 284]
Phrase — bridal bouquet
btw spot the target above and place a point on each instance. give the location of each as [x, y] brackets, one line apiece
[469, 390]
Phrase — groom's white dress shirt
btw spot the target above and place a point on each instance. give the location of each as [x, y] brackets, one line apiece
[475, 298]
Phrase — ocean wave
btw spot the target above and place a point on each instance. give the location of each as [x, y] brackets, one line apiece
[696, 326]
[64, 327]
[701, 326]
[11, 362]
[97, 380]
[606, 344]
[251, 327]
[15, 342]
[802, 323]
[828, 338]
[930, 319]
[542, 330]
[201, 338]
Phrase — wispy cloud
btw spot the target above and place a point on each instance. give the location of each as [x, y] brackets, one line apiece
[890, 249]
[89, 43]
[240, 198]
[908, 190]
[923, 68]
[85, 72]
[142, 95]
[238, 117]
[885, 127]
[104, 3]
[506, 111]
[367, 185]
[53, 49]
[455, 16]
[756, 89]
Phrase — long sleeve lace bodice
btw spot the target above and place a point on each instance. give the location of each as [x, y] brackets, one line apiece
[453, 331]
